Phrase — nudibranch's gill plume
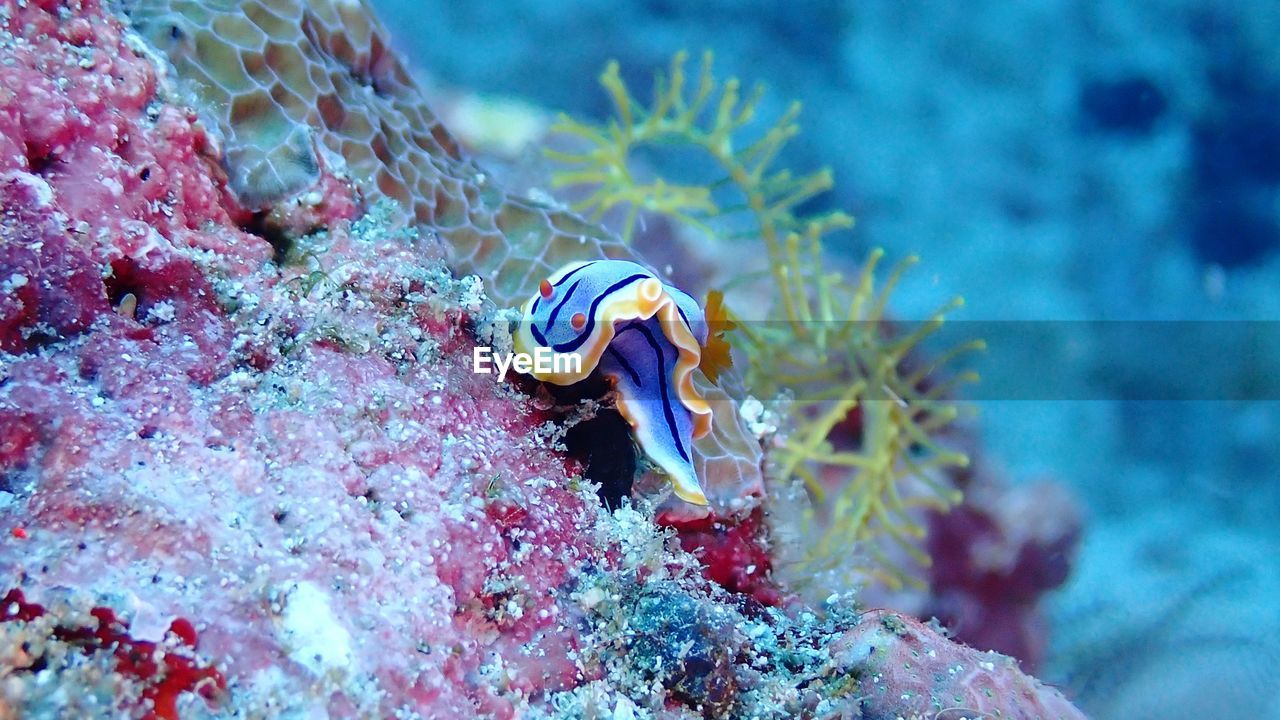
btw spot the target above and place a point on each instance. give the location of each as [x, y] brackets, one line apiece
[295, 85]
[646, 337]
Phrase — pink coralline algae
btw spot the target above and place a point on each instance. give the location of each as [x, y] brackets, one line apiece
[995, 556]
[900, 660]
[278, 444]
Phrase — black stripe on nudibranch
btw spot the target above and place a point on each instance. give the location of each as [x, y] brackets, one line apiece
[577, 342]
[635, 376]
[687, 325]
[555, 311]
[571, 273]
[667, 411]
[534, 308]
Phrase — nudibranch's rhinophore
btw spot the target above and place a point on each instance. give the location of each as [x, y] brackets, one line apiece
[645, 336]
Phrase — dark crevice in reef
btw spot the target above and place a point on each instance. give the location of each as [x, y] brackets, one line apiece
[602, 444]
[124, 281]
[11, 480]
[280, 242]
[40, 163]
[37, 340]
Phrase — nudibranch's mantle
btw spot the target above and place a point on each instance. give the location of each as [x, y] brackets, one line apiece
[646, 337]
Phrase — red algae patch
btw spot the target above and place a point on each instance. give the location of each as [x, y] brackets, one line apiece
[734, 554]
[161, 672]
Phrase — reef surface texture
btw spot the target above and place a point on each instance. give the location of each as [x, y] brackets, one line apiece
[249, 476]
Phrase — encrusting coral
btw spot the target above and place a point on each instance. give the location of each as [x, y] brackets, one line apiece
[284, 449]
[828, 343]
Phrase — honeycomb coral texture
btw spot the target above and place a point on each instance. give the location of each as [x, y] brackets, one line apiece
[295, 87]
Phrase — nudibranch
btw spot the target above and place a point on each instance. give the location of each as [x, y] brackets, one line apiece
[645, 336]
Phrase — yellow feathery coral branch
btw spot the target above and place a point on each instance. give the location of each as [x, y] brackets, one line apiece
[677, 118]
